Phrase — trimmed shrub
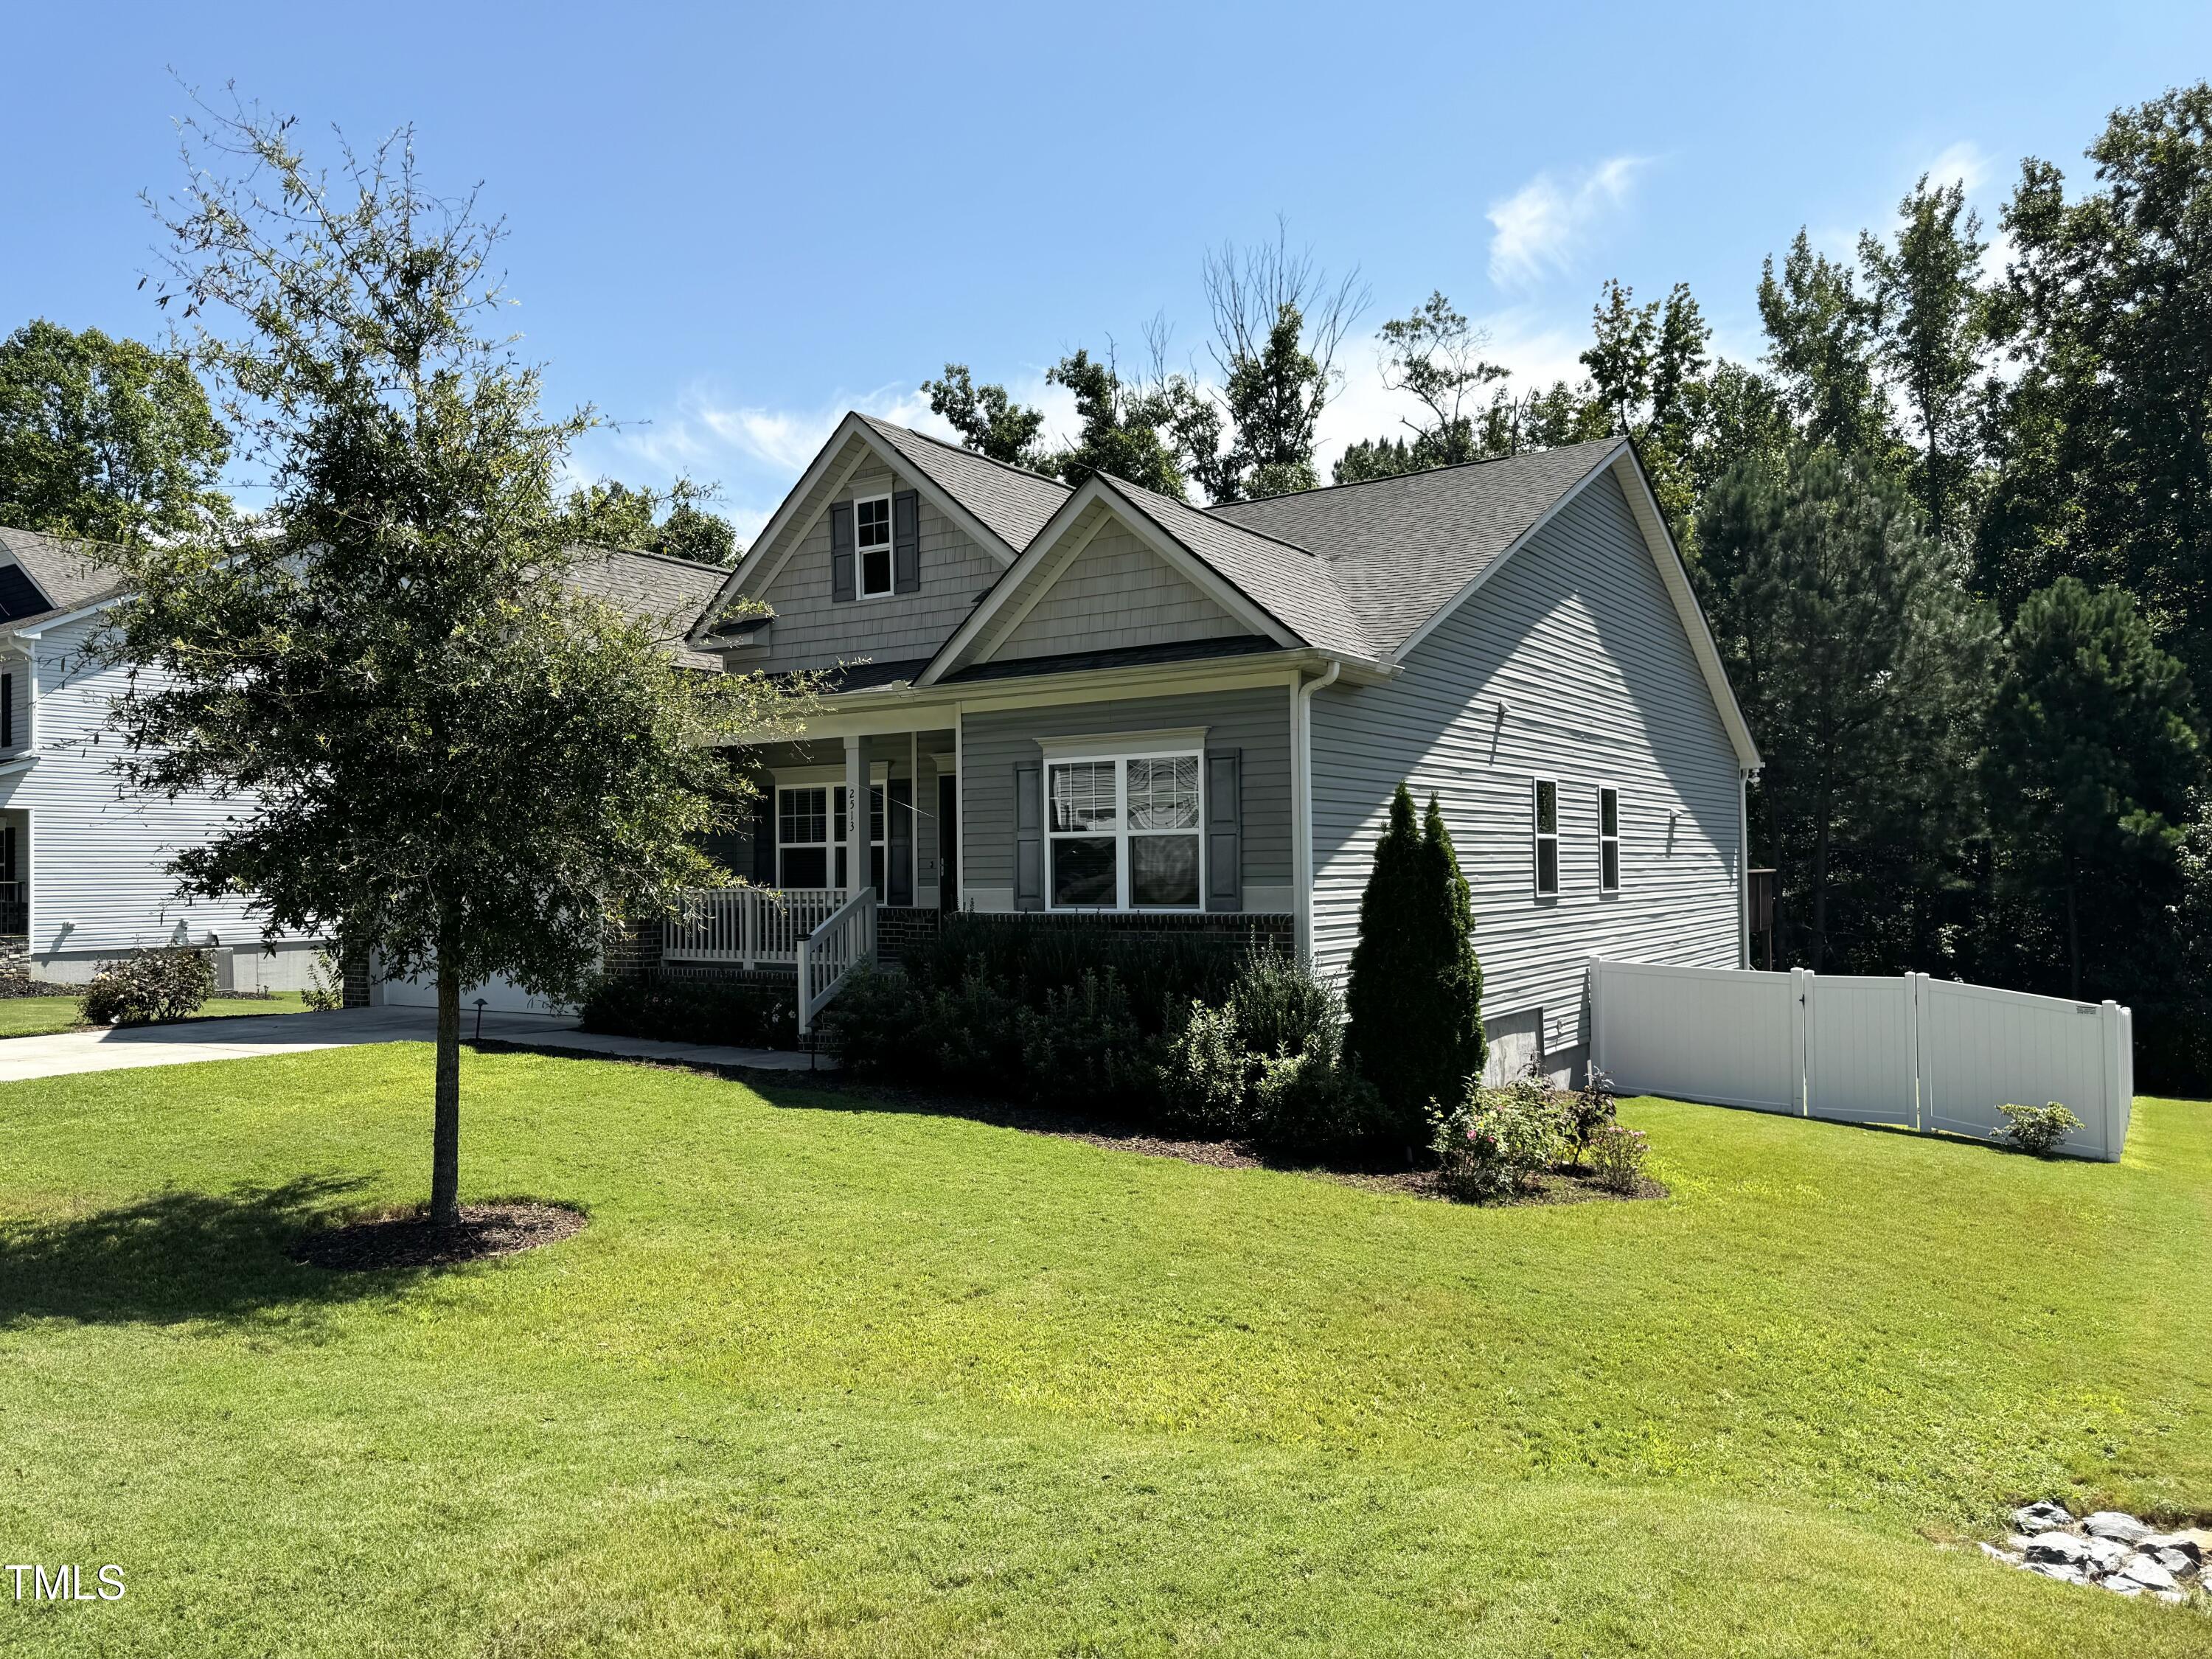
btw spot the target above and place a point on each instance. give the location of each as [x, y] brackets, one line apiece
[2038, 1129]
[1415, 990]
[325, 992]
[1207, 1078]
[1316, 1102]
[737, 1012]
[1617, 1154]
[149, 988]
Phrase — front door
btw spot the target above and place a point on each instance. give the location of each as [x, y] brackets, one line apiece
[948, 843]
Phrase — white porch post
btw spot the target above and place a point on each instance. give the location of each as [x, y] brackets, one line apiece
[856, 817]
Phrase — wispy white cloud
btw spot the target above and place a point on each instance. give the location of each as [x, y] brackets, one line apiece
[1964, 163]
[1540, 229]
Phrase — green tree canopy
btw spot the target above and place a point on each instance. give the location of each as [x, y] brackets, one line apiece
[989, 421]
[432, 748]
[2094, 749]
[675, 522]
[1821, 348]
[104, 438]
[1144, 431]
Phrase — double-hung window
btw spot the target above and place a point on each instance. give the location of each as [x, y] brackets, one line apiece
[809, 835]
[1124, 832]
[1608, 839]
[1545, 809]
[872, 545]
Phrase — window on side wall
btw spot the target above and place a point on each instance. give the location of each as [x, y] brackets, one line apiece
[1608, 839]
[872, 545]
[1124, 834]
[1545, 809]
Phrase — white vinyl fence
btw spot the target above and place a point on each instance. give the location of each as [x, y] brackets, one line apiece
[1921, 1053]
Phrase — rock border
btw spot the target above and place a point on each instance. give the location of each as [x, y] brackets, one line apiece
[2110, 1550]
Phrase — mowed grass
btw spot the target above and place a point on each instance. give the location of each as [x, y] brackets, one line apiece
[42, 1016]
[826, 1378]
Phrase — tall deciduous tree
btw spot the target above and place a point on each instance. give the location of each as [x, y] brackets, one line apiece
[1821, 346]
[2104, 439]
[1647, 366]
[1278, 319]
[431, 747]
[1435, 356]
[988, 419]
[1143, 430]
[1928, 317]
[2095, 748]
[108, 440]
[677, 521]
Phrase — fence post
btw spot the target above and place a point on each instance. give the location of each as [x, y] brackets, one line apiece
[1596, 971]
[748, 928]
[2109, 1029]
[1801, 1014]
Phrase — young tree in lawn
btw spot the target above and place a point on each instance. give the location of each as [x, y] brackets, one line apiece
[1413, 990]
[432, 748]
[106, 440]
[2094, 749]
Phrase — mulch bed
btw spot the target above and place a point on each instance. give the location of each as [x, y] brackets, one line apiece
[407, 1240]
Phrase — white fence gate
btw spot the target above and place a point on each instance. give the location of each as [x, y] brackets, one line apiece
[1930, 1055]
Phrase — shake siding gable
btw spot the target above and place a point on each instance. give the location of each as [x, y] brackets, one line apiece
[813, 631]
[1577, 642]
[1117, 592]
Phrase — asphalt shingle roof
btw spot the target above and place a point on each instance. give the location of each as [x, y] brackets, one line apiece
[1290, 583]
[68, 573]
[1399, 549]
[1011, 500]
[668, 594]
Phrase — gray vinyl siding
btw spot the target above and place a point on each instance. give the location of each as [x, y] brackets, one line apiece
[1255, 721]
[812, 630]
[1576, 638]
[1116, 592]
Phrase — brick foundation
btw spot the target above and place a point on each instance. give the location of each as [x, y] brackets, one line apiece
[1265, 928]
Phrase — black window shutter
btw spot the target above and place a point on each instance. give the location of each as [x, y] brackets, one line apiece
[898, 842]
[7, 711]
[1028, 838]
[906, 541]
[764, 837]
[841, 551]
[1224, 831]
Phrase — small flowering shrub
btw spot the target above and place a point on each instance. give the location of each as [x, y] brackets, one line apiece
[1616, 1155]
[149, 988]
[2037, 1129]
[1493, 1140]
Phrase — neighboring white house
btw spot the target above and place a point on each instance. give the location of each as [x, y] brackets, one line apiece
[84, 861]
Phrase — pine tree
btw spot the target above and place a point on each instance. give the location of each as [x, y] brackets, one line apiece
[1414, 991]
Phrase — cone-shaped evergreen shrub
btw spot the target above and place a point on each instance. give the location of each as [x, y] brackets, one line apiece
[1415, 990]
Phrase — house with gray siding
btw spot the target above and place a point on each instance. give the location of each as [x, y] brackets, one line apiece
[1106, 706]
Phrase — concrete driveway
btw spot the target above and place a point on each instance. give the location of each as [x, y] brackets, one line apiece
[245, 1036]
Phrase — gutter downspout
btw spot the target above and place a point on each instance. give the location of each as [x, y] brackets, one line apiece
[1744, 866]
[1302, 802]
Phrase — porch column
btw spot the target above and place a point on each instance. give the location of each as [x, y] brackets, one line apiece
[856, 817]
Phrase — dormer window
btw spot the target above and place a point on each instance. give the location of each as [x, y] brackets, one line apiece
[872, 544]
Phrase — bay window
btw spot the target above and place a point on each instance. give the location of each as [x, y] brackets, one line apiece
[1124, 832]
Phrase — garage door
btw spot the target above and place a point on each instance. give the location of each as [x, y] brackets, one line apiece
[501, 995]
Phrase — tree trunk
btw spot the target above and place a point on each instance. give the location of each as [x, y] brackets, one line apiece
[445, 1119]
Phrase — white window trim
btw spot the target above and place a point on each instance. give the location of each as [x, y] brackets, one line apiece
[1538, 836]
[861, 589]
[1119, 759]
[1603, 839]
[831, 788]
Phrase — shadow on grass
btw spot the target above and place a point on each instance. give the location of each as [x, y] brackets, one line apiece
[180, 1255]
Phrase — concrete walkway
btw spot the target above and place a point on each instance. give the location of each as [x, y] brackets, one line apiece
[246, 1035]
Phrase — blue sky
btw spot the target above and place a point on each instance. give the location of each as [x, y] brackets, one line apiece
[732, 223]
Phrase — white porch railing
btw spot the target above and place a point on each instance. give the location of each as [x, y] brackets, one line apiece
[747, 926]
[846, 939]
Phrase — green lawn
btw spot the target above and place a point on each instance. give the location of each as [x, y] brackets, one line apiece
[825, 1378]
[39, 1016]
